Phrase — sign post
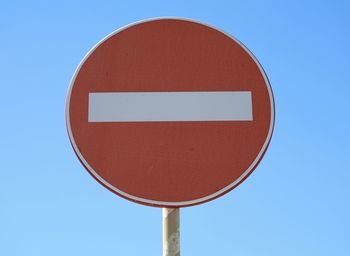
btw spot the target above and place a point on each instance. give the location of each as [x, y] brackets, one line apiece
[170, 113]
[171, 231]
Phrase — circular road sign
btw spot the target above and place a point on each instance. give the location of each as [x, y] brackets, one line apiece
[169, 112]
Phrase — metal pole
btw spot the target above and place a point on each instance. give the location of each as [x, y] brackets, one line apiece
[171, 231]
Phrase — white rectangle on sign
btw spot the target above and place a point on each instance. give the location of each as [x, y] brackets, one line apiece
[170, 106]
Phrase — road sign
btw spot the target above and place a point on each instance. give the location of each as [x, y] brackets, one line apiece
[169, 112]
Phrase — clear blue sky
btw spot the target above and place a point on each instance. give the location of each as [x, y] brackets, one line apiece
[296, 203]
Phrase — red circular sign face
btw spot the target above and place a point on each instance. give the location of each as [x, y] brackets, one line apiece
[169, 112]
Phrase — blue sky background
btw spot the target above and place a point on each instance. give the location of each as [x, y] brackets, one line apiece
[295, 203]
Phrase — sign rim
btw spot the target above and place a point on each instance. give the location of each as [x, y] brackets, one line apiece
[156, 203]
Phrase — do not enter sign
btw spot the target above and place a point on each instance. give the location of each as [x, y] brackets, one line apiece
[169, 112]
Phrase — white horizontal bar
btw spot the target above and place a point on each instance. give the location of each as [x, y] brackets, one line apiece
[170, 106]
